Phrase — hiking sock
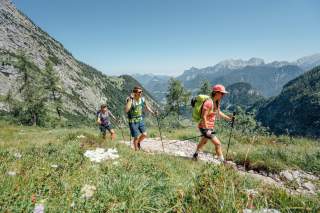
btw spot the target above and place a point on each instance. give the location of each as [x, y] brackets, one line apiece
[221, 158]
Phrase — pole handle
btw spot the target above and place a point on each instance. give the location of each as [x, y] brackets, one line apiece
[233, 118]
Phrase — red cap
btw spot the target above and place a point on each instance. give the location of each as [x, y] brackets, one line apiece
[219, 88]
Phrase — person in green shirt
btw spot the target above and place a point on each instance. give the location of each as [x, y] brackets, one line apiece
[135, 107]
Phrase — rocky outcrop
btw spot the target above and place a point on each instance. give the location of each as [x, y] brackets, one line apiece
[85, 88]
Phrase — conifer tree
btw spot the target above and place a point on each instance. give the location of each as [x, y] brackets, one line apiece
[32, 91]
[177, 97]
[205, 88]
[53, 87]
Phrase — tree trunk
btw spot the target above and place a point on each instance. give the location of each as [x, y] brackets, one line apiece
[57, 108]
[34, 119]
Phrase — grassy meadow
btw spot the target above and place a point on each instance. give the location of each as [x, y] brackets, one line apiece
[144, 182]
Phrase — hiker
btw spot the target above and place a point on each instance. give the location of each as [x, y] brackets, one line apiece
[103, 119]
[135, 106]
[209, 113]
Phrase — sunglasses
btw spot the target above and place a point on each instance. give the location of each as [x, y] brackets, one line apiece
[139, 92]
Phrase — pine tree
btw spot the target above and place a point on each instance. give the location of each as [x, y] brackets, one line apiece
[177, 97]
[205, 88]
[53, 87]
[9, 101]
[32, 91]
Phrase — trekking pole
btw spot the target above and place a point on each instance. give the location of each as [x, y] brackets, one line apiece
[160, 132]
[232, 125]
[124, 119]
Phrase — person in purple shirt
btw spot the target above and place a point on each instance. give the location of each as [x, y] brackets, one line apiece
[103, 119]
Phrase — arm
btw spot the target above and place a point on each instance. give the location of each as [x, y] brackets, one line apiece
[149, 109]
[204, 118]
[110, 113]
[224, 116]
[98, 120]
[128, 104]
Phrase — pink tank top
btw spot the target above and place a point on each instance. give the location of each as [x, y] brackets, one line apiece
[211, 117]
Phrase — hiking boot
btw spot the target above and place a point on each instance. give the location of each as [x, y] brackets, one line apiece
[195, 156]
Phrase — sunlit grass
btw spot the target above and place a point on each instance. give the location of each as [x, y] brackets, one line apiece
[139, 182]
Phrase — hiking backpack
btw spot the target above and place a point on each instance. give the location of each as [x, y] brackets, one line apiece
[133, 108]
[197, 104]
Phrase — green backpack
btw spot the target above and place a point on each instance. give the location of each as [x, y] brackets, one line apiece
[197, 104]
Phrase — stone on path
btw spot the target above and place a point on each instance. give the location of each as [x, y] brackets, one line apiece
[88, 191]
[99, 154]
[261, 211]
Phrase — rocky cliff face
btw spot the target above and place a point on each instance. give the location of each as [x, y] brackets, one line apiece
[85, 88]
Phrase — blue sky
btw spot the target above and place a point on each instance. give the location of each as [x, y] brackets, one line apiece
[169, 36]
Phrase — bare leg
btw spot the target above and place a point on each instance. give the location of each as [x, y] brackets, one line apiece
[217, 145]
[112, 134]
[203, 141]
[142, 137]
[135, 143]
[104, 135]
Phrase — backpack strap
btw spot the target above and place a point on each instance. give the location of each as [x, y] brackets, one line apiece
[208, 99]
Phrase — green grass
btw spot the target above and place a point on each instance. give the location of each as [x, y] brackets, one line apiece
[258, 152]
[140, 182]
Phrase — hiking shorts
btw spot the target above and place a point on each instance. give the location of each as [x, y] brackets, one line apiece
[204, 131]
[137, 128]
[104, 128]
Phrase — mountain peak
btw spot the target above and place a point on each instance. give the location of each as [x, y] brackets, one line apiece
[239, 63]
[309, 62]
[256, 61]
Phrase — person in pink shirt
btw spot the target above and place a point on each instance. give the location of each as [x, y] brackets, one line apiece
[210, 112]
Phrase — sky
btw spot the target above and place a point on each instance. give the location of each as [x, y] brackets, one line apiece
[170, 36]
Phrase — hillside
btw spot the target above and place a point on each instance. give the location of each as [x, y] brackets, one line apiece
[296, 109]
[241, 94]
[83, 88]
[156, 84]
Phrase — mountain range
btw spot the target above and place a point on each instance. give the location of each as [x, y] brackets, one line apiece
[267, 78]
[156, 84]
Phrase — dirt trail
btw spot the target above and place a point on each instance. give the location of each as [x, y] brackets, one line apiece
[187, 148]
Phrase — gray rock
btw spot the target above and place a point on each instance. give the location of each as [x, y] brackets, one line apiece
[286, 175]
[88, 191]
[264, 179]
[263, 173]
[296, 174]
[309, 177]
[231, 164]
[18, 33]
[309, 186]
[261, 211]
[12, 173]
